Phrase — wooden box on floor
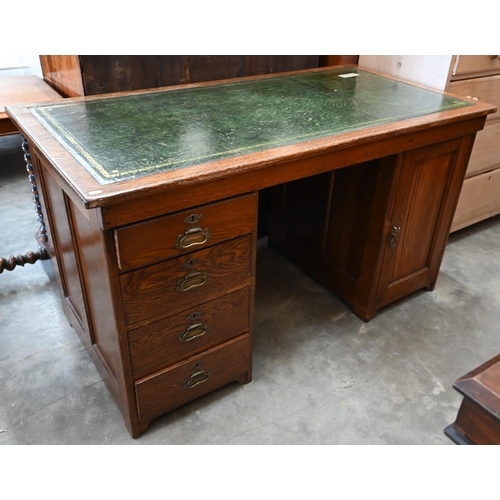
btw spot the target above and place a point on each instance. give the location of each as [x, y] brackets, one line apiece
[478, 419]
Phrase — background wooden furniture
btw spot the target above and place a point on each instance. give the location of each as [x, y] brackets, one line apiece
[89, 75]
[476, 76]
[75, 75]
[157, 270]
[17, 90]
[478, 419]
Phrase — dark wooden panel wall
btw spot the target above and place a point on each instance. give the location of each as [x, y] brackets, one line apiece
[90, 75]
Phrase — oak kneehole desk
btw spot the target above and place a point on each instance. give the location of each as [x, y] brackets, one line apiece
[150, 200]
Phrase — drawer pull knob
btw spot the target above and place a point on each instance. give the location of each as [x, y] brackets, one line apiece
[393, 236]
[191, 280]
[196, 379]
[193, 236]
[193, 332]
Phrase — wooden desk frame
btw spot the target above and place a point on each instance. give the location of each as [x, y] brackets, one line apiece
[415, 166]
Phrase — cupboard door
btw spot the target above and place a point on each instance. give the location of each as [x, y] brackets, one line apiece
[428, 183]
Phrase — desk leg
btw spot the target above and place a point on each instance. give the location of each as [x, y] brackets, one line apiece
[41, 254]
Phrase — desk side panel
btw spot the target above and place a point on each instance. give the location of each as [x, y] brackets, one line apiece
[85, 264]
[60, 230]
[99, 277]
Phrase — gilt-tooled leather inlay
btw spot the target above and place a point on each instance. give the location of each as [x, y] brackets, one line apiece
[125, 137]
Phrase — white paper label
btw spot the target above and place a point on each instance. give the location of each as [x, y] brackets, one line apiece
[348, 75]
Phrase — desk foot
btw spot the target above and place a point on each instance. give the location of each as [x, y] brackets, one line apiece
[363, 313]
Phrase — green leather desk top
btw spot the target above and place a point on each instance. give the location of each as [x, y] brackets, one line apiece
[130, 136]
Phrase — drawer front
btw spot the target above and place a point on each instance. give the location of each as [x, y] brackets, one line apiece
[486, 152]
[159, 239]
[485, 89]
[468, 65]
[169, 287]
[189, 332]
[479, 199]
[194, 377]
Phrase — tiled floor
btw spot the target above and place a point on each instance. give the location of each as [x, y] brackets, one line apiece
[321, 375]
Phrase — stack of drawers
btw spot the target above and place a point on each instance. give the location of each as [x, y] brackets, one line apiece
[186, 284]
[478, 77]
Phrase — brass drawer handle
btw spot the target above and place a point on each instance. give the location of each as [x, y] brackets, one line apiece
[194, 236]
[196, 379]
[191, 280]
[193, 332]
[393, 236]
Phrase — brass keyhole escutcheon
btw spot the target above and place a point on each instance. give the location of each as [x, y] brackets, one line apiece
[393, 236]
[193, 218]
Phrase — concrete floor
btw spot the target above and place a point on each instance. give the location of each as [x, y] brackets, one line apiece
[321, 375]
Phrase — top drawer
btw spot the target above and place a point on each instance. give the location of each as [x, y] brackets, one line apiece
[165, 237]
[481, 65]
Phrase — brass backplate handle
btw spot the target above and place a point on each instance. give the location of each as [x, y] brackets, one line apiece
[193, 279]
[393, 236]
[194, 236]
[193, 331]
[196, 379]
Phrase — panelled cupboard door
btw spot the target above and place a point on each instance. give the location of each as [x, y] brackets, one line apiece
[419, 222]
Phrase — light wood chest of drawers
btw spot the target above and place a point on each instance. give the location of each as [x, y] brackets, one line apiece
[479, 78]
